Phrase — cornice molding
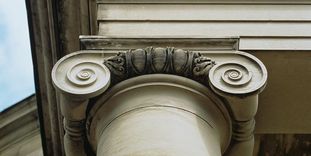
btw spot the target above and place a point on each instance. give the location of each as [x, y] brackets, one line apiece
[18, 122]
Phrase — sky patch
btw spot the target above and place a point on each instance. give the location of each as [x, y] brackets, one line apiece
[16, 71]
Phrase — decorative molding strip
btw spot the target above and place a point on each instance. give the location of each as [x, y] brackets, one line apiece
[159, 60]
[186, 43]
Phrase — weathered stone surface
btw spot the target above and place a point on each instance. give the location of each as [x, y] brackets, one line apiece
[282, 145]
[159, 60]
[19, 129]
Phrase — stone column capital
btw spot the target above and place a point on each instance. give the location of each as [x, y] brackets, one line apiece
[237, 77]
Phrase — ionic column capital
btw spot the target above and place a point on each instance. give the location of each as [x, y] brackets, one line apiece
[237, 77]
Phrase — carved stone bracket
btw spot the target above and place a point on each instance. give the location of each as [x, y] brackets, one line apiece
[237, 77]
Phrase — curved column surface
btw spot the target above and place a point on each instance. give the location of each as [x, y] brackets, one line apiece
[159, 131]
[159, 115]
